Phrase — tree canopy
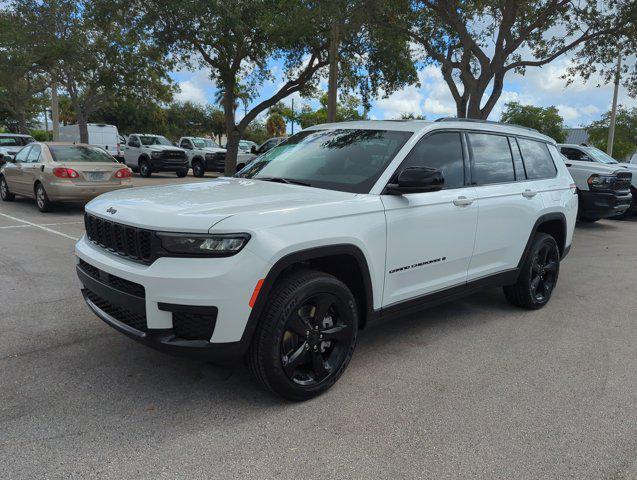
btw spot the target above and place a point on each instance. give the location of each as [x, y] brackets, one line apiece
[545, 120]
[625, 140]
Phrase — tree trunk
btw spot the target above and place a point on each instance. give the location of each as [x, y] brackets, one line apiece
[23, 124]
[82, 125]
[55, 112]
[232, 150]
[332, 87]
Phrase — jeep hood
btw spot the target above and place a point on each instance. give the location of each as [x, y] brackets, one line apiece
[196, 207]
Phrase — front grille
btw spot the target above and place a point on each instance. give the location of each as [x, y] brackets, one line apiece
[173, 155]
[133, 320]
[192, 326]
[623, 181]
[114, 281]
[130, 242]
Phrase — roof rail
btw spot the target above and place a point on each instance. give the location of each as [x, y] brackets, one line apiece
[477, 120]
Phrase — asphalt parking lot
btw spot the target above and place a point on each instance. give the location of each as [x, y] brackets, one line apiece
[473, 389]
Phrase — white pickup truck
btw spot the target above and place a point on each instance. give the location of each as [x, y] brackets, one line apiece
[204, 155]
[148, 153]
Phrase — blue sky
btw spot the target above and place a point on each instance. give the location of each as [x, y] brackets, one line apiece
[579, 104]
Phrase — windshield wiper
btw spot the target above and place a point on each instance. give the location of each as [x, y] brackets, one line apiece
[289, 181]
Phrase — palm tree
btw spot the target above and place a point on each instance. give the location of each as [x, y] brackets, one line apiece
[240, 94]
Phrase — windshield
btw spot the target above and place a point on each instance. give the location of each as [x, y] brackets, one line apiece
[76, 153]
[15, 141]
[600, 156]
[204, 143]
[154, 140]
[345, 160]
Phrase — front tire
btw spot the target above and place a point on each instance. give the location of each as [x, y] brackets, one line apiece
[198, 169]
[539, 274]
[144, 169]
[42, 199]
[5, 193]
[182, 173]
[306, 335]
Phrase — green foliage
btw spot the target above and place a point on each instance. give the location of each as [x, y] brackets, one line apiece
[41, 135]
[545, 120]
[256, 132]
[412, 116]
[625, 140]
[275, 125]
[22, 80]
[347, 109]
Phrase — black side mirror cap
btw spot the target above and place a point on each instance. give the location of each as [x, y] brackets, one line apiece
[253, 149]
[416, 180]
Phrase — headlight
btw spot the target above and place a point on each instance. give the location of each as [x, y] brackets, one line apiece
[155, 154]
[601, 182]
[221, 245]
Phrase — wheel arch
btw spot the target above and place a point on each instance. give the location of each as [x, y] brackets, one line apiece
[346, 262]
[553, 224]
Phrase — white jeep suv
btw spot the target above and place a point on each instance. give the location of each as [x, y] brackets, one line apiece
[341, 224]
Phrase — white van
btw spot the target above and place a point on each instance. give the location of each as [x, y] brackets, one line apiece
[99, 135]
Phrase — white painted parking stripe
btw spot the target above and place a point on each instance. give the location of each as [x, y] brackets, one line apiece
[42, 227]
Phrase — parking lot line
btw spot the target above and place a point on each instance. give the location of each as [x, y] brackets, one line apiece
[42, 227]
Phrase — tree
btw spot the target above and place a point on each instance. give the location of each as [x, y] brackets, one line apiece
[346, 109]
[412, 116]
[545, 120]
[275, 125]
[625, 142]
[246, 35]
[476, 44]
[91, 51]
[22, 80]
[599, 55]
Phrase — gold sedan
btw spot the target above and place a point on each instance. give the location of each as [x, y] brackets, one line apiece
[61, 172]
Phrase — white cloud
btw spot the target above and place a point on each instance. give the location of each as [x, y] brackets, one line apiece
[189, 92]
[407, 100]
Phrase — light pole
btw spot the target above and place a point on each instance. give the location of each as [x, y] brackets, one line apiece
[613, 112]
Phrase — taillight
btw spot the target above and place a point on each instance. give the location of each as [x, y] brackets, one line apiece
[573, 188]
[117, 147]
[65, 173]
[123, 173]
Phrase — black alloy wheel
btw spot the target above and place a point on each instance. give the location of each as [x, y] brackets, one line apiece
[144, 169]
[305, 336]
[316, 339]
[544, 272]
[538, 275]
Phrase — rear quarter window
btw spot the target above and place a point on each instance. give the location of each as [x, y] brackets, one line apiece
[537, 159]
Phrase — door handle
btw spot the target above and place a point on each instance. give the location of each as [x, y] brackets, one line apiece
[529, 193]
[462, 201]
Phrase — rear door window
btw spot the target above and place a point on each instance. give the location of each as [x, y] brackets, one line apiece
[575, 154]
[492, 161]
[537, 159]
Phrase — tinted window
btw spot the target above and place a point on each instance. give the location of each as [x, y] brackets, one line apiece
[337, 159]
[520, 173]
[442, 151]
[492, 162]
[537, 159]
[22, 155]
[575, 154]
[76, 153]
[34, 154]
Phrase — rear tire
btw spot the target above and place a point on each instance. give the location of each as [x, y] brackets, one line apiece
[306, 335]
[198, 169]
[42, 199]
[5, 193]
[144, 169]
[182, 173]
[538, 276]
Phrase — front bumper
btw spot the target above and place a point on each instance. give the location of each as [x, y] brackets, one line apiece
[160, 164]
[603, 204]
[68, 191]
[150, 303]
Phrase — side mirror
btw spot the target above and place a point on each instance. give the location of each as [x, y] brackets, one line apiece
[416, 180]
[253, 149]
